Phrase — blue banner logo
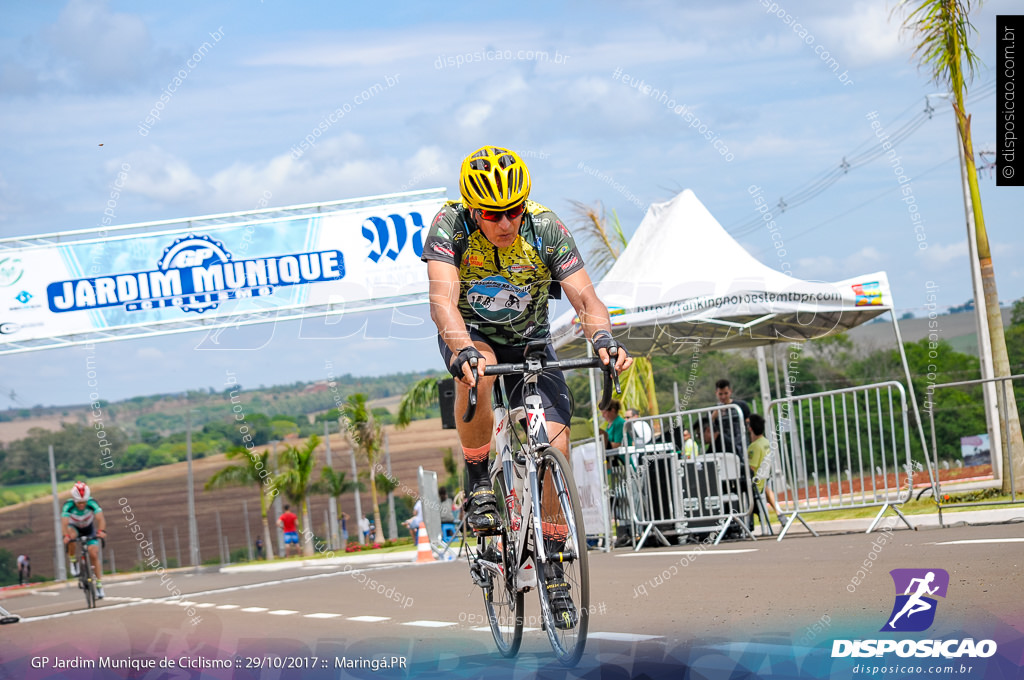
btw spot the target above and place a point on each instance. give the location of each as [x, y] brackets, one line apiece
[195, 274]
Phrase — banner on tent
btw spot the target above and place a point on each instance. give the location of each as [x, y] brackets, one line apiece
[215, 272]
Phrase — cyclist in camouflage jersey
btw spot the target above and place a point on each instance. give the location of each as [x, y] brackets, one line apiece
[494, 260]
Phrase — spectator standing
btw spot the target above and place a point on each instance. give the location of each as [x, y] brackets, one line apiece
[288, 521]
[638, 432]
[757, 453]
[613, 433]
[689, 446]
[416, 520]
[24, 569]
[259, 549]
[729, 424]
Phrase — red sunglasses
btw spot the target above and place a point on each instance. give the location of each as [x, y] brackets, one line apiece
[511, 213]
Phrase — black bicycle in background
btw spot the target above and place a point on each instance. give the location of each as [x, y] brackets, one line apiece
[86, 577]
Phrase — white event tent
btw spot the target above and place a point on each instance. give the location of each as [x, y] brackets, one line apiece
[683, 279]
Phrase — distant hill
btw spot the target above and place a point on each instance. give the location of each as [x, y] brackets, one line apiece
[165, 414]
[960, 330]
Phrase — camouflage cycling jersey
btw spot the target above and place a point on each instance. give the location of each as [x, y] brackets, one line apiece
[504, 292]
[81, 518]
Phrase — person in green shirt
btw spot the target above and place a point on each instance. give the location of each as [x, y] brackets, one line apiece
[760, 461]
[613, 433]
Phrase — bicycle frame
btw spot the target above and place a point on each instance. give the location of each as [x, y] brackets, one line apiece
[537, 438]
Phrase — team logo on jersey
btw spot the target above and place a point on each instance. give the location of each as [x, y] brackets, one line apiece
[520, 268]
[475, 259]
[497, 300]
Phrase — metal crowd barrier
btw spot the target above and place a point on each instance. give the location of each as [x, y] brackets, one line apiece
[660, 486]
[843, 449]
[1003, 385]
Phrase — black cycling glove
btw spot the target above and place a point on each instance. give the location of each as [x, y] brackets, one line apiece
[465, 354]
[604, 340]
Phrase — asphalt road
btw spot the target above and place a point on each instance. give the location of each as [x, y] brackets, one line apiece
[663, 609]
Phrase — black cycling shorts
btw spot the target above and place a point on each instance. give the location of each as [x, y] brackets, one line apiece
[554, 393]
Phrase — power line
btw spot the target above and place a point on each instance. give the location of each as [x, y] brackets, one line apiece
[855, 159]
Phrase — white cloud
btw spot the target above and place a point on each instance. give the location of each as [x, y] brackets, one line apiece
[940, 254]
[334, 168]
[827, 268]
[474, 114]
[864, 35]
[163, 177]
[99, 49]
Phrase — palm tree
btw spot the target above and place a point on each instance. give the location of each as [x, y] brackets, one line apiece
[385, 484]
[334, 484]
[367, 437]
[419, 398]
[605, 246]
[942, 28]
[297, 469]
[252, 471]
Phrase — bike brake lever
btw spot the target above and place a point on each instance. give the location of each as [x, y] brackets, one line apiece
[471, 407]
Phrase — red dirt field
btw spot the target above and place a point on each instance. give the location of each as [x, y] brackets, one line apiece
[158, 498]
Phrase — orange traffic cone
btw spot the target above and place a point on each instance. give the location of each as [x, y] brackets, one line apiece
[423, 550]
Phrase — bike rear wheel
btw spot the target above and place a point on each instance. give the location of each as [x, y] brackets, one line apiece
[560, 505]
[502, 603]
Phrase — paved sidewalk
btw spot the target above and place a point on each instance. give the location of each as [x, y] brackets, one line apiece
[989, 515]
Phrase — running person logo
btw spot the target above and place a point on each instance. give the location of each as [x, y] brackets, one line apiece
[495, 299]
[914, 609]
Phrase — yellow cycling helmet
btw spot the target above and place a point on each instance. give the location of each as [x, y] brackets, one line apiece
[493, 178]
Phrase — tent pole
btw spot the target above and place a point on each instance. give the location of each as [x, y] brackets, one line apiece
[762, 378]
[910, 383]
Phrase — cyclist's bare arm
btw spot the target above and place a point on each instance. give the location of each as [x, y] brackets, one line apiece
[592, 312]
[444, 310]
[101, 523]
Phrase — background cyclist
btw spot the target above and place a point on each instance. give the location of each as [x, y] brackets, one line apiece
[494, 260]
[83, 516]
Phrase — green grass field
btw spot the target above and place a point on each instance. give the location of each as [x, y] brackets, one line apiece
[20, 493]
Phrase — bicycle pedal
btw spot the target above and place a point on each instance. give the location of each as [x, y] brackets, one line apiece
[487, 532]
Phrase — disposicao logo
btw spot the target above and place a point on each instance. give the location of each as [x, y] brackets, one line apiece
[914, 610]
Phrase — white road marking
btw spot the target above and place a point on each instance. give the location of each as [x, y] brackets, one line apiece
[429, 624]
[624, 637]
[47, 593]
[228, 606]
[690, 552]
[369, 619]
[970, 541]
[172, 600]
[204, 605]
[321, 615]
[254, 609]
[504, 629]
[283, 612]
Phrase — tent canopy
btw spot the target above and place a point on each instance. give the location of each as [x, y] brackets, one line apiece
[683, 280]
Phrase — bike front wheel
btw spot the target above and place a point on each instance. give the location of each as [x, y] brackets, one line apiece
[561, 515]
[88, 584]
[502, 603]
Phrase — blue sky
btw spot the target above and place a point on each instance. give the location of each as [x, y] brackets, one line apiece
[79, 78]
